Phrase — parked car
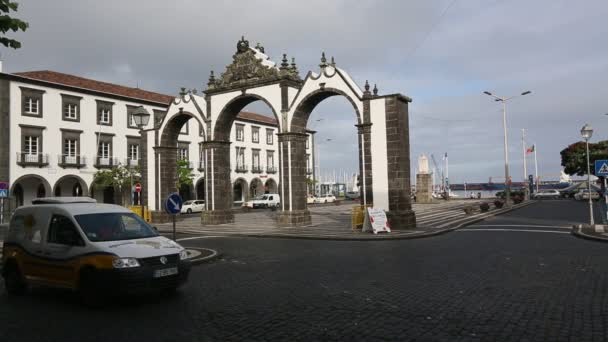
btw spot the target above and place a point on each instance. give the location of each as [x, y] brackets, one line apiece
[311, 199]
[544, 194]
[195, 206]
[352, 195]
[96, 249]
[325, 199]
[584, 195]
[264, 201]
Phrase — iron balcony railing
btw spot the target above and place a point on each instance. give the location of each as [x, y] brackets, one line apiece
[102, 162]
[241, 168]
[32, 159]
[66, 160]
[271, 169]
[257, 169]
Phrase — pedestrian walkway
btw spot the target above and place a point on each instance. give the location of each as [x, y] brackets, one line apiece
[334, 222]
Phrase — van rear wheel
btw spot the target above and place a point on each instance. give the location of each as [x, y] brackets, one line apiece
[13, 280]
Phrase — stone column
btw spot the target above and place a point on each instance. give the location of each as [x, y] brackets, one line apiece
[424, 188]
[400, 211]
[365, 163]
[218, 198]
[293, 180]
[166, 170]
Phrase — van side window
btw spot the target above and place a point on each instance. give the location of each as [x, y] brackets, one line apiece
[270, 198]
[62, 231]
[31, 229]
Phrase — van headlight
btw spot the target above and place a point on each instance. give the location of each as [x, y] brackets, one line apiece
[125, 263]
[183, 255]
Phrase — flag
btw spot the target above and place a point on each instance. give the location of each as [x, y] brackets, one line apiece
[530, 149]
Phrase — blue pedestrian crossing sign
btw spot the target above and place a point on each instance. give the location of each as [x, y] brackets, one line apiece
[3, 193]
[601, 167]
[173, 204]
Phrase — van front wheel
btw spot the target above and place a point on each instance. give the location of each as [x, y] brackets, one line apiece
[13, 280]
[90, 292]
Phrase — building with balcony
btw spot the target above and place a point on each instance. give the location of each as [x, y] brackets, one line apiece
[59, 130]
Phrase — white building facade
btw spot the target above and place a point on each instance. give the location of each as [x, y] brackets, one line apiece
[57, 131]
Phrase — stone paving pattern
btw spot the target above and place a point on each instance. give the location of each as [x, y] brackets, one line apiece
[461, 286]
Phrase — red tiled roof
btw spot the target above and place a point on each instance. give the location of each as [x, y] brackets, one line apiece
[81, 82]
[257, 117]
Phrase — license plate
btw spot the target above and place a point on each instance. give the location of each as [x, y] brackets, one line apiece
[165, 272]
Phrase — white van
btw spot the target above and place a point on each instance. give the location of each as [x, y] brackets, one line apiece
[96, 249]
[264, 201]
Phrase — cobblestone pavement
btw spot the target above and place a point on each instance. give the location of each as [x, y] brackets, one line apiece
[333, 222]
[496, 281]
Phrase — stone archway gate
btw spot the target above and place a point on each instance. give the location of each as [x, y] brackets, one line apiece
[383, 135]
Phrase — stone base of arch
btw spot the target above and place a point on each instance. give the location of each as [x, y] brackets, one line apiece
[212, 217]
[296, 218]
[160, 216]
[405, 219]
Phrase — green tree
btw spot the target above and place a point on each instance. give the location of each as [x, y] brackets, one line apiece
[7, 23]
[311, 185]
[120, 178]
[574, 157]
[184, 173]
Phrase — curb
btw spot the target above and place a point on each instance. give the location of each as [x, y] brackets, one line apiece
[577, 231]
[385, 238]
[197, 261]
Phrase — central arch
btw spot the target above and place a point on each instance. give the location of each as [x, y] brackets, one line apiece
[217, 156]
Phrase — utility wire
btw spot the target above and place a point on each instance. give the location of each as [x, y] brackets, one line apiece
[445, 10]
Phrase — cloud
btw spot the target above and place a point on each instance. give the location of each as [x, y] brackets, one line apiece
[554, 48]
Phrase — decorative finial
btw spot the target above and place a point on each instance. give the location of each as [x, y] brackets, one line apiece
[211, 82]
[333, 62]
[294, 68]
[242, 45]
[284, 63]
[259, 47]
[323, 60]
[366, 87]
[194, 91]
[182, 92]
[375, 90]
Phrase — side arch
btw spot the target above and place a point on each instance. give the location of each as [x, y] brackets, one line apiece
[173, 124]
[67, 188]
[311, 100]
[29, 187]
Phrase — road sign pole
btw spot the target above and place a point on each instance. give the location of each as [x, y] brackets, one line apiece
[1, 210]
[173, 227]
[605, 197]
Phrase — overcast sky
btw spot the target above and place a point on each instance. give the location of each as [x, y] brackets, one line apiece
[442, 53]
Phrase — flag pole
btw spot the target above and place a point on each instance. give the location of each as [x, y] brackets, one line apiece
[536, 167]
[523, 146]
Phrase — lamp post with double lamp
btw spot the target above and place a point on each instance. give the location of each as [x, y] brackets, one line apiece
[504, 125]
[586, 133]
[141, 117]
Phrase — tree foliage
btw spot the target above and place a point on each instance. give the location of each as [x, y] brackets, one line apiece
[7, 23]
[119, 177]
[184, 173]
[574, 157]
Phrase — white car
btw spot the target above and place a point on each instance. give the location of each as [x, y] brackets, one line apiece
[311, 199]
[195, 206]
[552, 194]
[584, 195]
[325, 199]
[264, 201]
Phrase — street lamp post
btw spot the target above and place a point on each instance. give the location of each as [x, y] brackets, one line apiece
[504, 125]
[141, 117]
[586, 133]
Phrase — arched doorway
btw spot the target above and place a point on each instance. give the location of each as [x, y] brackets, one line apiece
[166, 158]
[271, 186]
[200, 189]
[239, 191]
[256, 188]
[71, 185]
[29, 187]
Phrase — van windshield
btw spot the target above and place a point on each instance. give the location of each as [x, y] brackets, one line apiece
[114, 226]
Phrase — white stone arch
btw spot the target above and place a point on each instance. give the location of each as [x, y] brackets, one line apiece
[229, 105]
[331, 81]
[190, 105]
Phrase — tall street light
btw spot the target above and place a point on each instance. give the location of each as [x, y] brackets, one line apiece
[141, 117]
[504, 125]
[586, 133]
